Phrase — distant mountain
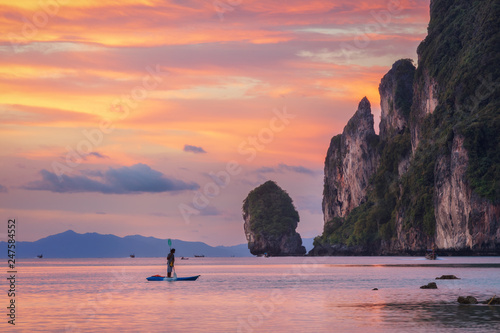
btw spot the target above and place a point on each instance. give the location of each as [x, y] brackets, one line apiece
[70, 244]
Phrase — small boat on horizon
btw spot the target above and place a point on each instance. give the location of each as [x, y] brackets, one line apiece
[430, 254]
[199, 256]
[132, 256]
[40, 256]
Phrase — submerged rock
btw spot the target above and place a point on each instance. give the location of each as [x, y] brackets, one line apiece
[467, 300]
[430, 285]
[493, 301]
[447, 277]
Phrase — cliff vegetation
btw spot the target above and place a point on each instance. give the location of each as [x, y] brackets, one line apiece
[270, 221]
[436, 179]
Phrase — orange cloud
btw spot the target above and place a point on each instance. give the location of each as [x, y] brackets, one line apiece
[167, 74]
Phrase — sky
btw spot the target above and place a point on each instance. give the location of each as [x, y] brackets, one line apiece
[158, 117]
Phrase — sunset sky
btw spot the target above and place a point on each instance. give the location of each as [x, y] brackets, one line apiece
[158, 117]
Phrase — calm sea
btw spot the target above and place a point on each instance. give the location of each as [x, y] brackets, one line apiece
[299, 294]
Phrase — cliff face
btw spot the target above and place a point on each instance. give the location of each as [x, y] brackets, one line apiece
[270, 222]
[350, 162]
[434, 172]
[463, 219]
[424, 103]
[289, 244]
[396, 94]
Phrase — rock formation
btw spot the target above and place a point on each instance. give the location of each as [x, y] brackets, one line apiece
[447, 277]
[350, 162]
[396, 95]
[492, 301]
[463, 219]
[467, 300]
[432, 175]
[270, 222]
[430, 285]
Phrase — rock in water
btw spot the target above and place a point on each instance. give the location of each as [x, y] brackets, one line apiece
[493, 301]
[467, 300]
[447, 277]
[270, 222]
[430, 285]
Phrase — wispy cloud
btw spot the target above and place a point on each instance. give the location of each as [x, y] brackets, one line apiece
[138, 178]
[282, 168]
[14, 114]
[97, 154]
[210, 211]
[194, 149]
[3, 189]
[61, 80]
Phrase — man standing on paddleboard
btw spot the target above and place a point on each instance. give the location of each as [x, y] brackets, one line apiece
[170, 262]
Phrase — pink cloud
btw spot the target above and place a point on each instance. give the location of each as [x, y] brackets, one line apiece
[224, 73]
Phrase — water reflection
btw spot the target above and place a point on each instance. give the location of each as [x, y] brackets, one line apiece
[447, 316]
[254, 295]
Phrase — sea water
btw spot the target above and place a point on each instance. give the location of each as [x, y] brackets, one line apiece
[291, 294]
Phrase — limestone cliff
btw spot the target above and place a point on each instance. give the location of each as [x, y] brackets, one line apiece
[434, 173]
[270, 222]
[350, 162]
[463, 219]
[454, 124]
[396, 95]
[424, 103]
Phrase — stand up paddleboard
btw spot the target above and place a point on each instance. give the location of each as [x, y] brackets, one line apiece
[164, 278]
